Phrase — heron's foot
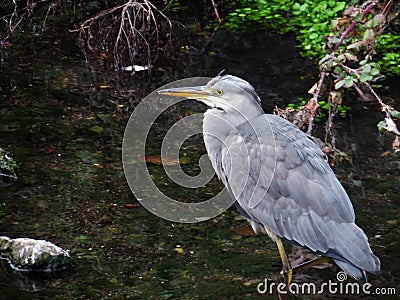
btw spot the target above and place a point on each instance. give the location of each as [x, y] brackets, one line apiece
[286, 276]
[312, 263]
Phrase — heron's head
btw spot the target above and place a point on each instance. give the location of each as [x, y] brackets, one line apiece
[228, 93]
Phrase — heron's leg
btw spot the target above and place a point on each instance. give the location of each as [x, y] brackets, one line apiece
[287, 269]
[311, 263]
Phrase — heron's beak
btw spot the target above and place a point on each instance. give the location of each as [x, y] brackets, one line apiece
[195, 92]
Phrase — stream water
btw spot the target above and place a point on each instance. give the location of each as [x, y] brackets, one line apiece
[64, 126]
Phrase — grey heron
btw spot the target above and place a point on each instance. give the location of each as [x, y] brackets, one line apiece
[278, 176]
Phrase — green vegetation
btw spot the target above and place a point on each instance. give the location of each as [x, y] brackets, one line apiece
[325, 108]
[345, 38]
[389, 46]
[353, 41]
[312, 22]
[248, 13]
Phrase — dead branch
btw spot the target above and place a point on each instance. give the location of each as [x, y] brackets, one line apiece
[131, 30]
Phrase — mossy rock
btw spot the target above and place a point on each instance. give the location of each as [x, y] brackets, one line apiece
[24, 254]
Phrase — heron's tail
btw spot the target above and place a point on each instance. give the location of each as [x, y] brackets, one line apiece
[351, 269]
[353, 253]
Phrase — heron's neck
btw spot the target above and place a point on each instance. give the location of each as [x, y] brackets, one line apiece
[216, 120]
[217, 125]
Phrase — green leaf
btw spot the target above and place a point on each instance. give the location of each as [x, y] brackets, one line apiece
[354, 45]
[339, 84]
[358, 18]
[394, 113]
[339, 6]
[337, 70]
[364, 77]
[334, 40]
[97, 129]
[334, 23]
[296, 6]
[367, 34]
[349, 81]
[329, 12]
[382, 126]
[325, 59]
[366, 68]
[304, 7]
[105, 118]
[375, 71]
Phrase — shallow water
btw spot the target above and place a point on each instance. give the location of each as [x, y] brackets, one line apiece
[66, 132]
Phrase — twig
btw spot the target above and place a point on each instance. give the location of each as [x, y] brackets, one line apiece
[353, 24]
[360, 92]
[216, 11]
[313, 102]
[385, 107]
[127, 29]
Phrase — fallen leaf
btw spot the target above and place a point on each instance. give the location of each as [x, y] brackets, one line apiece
[131, 205]
[244, 231]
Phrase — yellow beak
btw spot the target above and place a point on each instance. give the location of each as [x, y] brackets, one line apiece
[195, 92]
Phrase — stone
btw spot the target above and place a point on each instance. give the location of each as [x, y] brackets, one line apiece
[25, 254]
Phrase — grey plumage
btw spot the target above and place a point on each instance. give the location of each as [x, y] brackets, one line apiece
[278, 175]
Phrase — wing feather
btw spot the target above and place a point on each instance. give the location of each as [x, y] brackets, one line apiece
[281, 180]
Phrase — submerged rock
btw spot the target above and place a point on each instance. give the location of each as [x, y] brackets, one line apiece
[25, 254]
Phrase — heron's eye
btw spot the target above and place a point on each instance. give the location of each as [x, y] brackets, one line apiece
[220, 92]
